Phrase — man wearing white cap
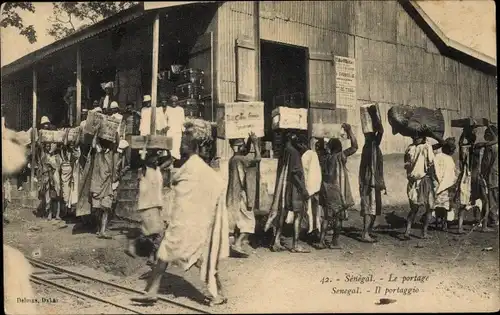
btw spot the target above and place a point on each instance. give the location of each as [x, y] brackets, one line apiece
[106, 100]
[145, 124]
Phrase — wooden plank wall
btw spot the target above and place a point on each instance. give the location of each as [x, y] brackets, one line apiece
[397, 64]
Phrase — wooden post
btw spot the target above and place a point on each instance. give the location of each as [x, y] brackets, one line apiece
[78, 86]
[33, 131]
[154, 79]
[256, 28]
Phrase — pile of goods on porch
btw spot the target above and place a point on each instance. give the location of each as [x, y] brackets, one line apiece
[189, 87]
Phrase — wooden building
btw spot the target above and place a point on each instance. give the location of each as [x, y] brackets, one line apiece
[333, 56]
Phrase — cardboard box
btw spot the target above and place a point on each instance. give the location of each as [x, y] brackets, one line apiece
[289, 118]
[52, 136]
[237, 120]
[151, 142]
[366, 118]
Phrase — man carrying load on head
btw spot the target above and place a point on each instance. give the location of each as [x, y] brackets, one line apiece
[241, 190]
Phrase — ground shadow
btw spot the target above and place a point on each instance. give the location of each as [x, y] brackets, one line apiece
[179, 287]
[395, 221]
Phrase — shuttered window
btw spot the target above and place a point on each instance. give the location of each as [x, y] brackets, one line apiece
[321, 80]
[245, 70]
[201, 57]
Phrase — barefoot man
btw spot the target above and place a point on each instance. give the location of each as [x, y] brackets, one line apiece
[290, 194]
[198, 230]
[241, 188]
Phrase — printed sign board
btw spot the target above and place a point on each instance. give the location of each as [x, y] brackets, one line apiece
[345, 82]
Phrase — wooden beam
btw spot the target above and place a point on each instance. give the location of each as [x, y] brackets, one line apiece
[33, 131]
[256, 28]
[78, 86]
[154, 78]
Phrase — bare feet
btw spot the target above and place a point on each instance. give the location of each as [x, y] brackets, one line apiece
[277, 248]
[147, 298]
[366, 238]
[237, 251]
[320, 245]
[219, 300]
[299, 249]
[426, 236]
[486, 229]
[461, 231]
[406, 236]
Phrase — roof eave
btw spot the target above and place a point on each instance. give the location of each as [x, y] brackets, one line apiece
[93, 30]
[443, 42]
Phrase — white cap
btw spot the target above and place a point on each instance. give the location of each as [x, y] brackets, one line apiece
[97, 109]
[113, 105]
[147, 98]
[123, 144]
[44, 120]
[109, 85]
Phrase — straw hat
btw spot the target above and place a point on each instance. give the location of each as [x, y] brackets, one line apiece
[147, 98]
[44, 120]
[113, 105]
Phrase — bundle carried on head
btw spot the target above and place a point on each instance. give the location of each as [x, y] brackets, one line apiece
[201, 129]
[410, 121]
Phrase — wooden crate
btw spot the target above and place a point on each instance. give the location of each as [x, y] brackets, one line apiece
[237, 120]
[366, 119]
[466, 122]
[108, 126]
[151, 142]
[328, 130]
[52, 136]
[289, 118]
[73, 134]
[93, 122]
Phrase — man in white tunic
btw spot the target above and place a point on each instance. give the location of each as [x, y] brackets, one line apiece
[145, 124]
[175, 125]
[106, 100]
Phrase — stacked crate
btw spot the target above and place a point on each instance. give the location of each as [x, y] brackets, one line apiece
[189, 90]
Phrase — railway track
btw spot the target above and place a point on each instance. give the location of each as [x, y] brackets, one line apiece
[94, 289]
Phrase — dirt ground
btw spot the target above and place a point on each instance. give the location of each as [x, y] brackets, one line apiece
[451, 272]
[448, 272]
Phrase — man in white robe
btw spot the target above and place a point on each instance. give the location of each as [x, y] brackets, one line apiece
[145, 124]
[175, 118]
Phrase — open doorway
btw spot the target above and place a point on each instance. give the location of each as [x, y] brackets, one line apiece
[283, 82]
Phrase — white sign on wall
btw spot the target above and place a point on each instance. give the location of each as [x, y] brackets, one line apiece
[345, 82]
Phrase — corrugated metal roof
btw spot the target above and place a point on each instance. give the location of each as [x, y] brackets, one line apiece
[140, 9]
[93, 30]
[166, 4]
